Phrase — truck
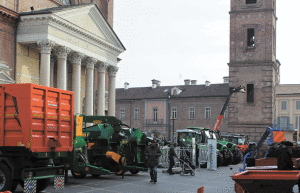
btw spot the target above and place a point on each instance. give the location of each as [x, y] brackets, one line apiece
[37, 138]
[36, 125]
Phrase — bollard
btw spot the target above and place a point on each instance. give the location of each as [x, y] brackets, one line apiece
[200, 190]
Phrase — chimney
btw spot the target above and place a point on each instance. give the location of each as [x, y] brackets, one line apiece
[187, 82]
[193, 82]
[207, 83]
[126, 85]
[155, 83]
[226, 79]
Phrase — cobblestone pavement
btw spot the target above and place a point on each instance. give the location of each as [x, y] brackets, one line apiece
[213, 182]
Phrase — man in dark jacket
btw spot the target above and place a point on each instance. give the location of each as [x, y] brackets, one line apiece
[284, 160]
[273, 151]
[172, 156]
[295, 151]
[153, 152]
[250, 161]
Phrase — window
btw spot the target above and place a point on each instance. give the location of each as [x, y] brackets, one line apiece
[207, 112]
[155, 114]
[250, 37]
[283, 122]
[250, 93]
[192, 113]
[283, 105]
[122, 114]
[136, 113]
[174, 113]
[297, 122]
[250, 1]
[298, 105]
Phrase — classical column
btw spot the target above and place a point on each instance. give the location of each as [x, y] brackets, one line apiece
[101, 89]
[75, 59]
[45, 50]
[62, 52]
[90, 63]
[112, 90]
[52, 61]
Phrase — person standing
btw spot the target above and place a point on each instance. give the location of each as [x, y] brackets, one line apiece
[172, 156]
[273, 151]
[284, 159]
[153, 152]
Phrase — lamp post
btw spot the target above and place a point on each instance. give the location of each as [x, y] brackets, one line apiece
[173, 136]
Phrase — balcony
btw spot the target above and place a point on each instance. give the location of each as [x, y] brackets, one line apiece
[152, 121]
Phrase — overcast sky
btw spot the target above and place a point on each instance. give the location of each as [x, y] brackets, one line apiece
[173, 40]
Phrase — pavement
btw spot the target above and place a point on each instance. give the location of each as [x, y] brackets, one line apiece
[213, 182]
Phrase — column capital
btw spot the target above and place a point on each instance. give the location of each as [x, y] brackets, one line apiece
[102, 67]
[113, 70]
[62, 52]
[76, 57]
[45, 46]
[90, 62]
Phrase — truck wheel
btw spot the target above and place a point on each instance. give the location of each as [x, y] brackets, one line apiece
[219, 159]
[134, 171]
[42, 184]
[228, 159]
[6, 183]
[78, 175]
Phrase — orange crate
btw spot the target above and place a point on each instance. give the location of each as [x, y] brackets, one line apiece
[45, 117]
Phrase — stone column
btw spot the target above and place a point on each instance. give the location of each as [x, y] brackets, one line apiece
[52, 61]
[62, 52]
[45, 50]
[75, 59]
[101, 89]
[89, 101]
[112, 90]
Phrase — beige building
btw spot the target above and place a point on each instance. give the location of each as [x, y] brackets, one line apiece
[288, 109]
[71, 46]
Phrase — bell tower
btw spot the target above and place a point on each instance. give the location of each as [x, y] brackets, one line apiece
[253, 64]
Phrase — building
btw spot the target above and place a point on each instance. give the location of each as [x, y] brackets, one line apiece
[288, 109]
[152, 108]
[253, 64]
[69, 45]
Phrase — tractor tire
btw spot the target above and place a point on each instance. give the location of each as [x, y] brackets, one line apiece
[219, 159]
[238, 157]
[42, 184]
[229, 159]
[78, 175]
[5, 178]
[134, 171]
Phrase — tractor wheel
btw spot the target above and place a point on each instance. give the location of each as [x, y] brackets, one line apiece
[219, 159]
[228, 159]
[238, 157]
[6, 183]
[14, 185]
[78, 175]
[134, 171]
[42, 184]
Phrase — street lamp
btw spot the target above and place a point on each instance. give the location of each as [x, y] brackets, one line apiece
[173, 119]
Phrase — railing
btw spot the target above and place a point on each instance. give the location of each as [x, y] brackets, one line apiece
[289, 127]
[152, 121]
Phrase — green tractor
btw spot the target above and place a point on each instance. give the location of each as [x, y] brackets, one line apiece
[112, 147]
[184, 140]
[231, 143]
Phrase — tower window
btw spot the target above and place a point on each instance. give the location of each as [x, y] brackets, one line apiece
[250, 1]
[250, 93]
[250, 37]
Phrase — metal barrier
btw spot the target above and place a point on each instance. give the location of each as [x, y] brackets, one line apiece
[183, 152]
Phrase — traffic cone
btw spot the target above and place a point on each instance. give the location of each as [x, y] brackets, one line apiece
[200, 190]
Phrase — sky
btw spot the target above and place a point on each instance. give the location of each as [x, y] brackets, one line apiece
[174, 40]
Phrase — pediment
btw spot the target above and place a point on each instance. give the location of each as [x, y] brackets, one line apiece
[90, 19]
